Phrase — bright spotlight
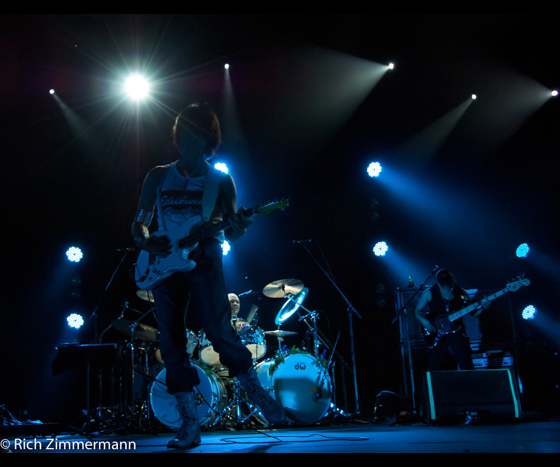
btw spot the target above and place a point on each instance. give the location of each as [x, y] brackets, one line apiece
[51, 92]
[473, 97]
[522, 250]
[221, 167]
[380, 249]
[554, 93]
[226, 66]
[225, 248]
[74, 254]
[75, 321]
[391, 66]
[374, 169]
[529, 312]
[136, 87]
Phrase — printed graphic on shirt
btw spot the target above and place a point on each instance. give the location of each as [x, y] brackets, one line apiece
[179, 206]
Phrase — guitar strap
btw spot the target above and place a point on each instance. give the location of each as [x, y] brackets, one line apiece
[210, 192]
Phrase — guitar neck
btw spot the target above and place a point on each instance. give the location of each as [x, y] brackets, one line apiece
[210, 231]
[474, 306]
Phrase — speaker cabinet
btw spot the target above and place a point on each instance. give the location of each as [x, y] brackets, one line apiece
[483, 395]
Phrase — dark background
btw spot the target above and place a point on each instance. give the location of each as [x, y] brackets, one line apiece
[307, 104]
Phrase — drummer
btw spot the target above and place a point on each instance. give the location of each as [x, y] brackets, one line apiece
[235, 304]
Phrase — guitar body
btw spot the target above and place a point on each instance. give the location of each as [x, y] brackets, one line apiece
[151, 270]
[443, 327]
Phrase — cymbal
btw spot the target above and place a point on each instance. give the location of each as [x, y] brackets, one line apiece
[283, 287]
[141, 331]
[145, 295]
[279, 333]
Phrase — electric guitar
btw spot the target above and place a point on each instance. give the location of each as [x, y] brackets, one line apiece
[444, 323]
[150, 270]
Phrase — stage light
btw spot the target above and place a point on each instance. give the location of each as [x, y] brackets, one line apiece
[374, 169]
[226, 66]
[51, 92]
[74, 254]
[391, 66]
[529, 312]
[221, 167]
[225, 248]
[554, 93]
[473, 97]
[522, 250]
[75, 321]
[136, 87]
[380, 249]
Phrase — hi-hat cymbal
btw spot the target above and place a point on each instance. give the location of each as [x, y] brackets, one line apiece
[279, 333]
[141, 331]
[145, 295]
[281, 288]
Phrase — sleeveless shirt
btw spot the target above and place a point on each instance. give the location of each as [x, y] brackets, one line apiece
[180, 199]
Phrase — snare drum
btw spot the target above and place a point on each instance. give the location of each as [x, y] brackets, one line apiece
[300, 385]
[253, 338]
[211, 399]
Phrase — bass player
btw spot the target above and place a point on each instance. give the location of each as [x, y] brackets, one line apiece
[443, 298]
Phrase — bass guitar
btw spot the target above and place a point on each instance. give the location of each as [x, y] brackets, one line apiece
[150, 270]
[444, 323]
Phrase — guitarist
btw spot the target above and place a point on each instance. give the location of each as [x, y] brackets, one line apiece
[176, 191]
[443, 298]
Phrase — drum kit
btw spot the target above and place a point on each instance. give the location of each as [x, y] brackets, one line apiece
[299, 379]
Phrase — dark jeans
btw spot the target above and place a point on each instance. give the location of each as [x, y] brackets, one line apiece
[204, 289]
[460, 345]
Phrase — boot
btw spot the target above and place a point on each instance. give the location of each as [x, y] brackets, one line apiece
[270, 408]
[189, 433]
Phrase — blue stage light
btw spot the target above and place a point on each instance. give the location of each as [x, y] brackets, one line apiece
[74, 254]
[221, 167]
[374, 169]
[522, 250]
[380, 249]
[225, 248]
[529, 312]
[75, 321]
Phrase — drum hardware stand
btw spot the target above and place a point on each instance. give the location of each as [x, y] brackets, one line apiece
[350, 310]
[236, 401]
[400, 315]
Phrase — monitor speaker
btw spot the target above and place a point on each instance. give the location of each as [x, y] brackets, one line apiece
[462, 396]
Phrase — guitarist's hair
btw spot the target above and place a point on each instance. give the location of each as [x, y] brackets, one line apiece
[444, 277]
[199, 118]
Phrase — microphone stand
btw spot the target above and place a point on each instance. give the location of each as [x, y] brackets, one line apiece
[94, 313]
[350, 310]
[405, 331]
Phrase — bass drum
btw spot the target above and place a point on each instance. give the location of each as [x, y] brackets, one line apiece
[211, 399]
[300, 385]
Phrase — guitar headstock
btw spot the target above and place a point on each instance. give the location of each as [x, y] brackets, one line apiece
[516, 285]
[269, 206]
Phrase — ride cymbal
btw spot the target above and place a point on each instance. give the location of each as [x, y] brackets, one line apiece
[283, 287]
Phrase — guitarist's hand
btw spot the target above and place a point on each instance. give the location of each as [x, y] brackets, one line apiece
[157, 245]
[428, 325]
[240, 220]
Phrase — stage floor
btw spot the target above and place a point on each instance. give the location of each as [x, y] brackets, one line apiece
[358, 437]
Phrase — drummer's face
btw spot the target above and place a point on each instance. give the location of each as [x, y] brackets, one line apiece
[234, 301]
